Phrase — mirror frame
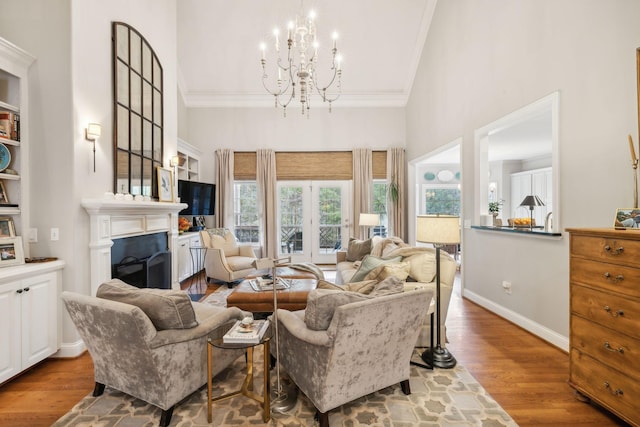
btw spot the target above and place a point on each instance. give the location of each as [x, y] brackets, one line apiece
[138, 134]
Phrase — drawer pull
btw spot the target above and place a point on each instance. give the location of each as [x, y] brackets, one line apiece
[616, 392]
[608, 347]
[618, 278]
[611, 251]
[612, 313]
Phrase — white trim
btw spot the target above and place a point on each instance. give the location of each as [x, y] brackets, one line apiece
[525, 323]
[70, 350]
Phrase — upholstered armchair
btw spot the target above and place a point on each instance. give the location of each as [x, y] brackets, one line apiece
[338, 353]
[154, 347]
[226, 260]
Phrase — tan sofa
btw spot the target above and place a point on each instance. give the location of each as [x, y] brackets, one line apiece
[422, 270]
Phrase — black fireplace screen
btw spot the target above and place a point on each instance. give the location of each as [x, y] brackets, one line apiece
[142, 261]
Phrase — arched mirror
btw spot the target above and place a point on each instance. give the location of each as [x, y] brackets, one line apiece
[138, 109]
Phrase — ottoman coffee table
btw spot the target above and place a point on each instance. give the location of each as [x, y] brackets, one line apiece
[292, 298]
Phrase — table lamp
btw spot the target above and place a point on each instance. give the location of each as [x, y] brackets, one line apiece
[438, 230]
[369, 220]
[531, 202]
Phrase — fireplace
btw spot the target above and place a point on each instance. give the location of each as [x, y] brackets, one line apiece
[143, 261]
[111, 221]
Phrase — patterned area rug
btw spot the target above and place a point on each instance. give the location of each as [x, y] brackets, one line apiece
[444, 397]
[218, 297]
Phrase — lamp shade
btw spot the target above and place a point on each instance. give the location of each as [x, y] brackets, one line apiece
[531, 201]
[438, 229]
[94, 130]
[369, 219]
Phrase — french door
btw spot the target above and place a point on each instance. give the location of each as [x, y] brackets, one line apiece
[313, 219]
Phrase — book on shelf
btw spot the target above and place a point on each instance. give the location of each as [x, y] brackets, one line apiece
[239, 334]
[10, 125]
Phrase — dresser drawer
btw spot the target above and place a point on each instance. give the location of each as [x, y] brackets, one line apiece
[611, 388]
[612, 311]
[617, 278]
[609, 249]
[609, 347]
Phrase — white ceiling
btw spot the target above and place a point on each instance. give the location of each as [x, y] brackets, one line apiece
[219, 56]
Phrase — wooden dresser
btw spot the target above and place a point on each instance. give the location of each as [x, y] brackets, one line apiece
[605, 318]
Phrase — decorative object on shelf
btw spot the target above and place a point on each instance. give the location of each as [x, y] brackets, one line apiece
[298, 69]
[11, 251]
[91, 133]
[429, 176]
[634, 165]
[531, 202]
[369, 220]
[7, 229]
[4, 199]
[282, 400]
[5, 157]
[445, 175]
[494, 210]
[183, 224]
[165, 185]
[627, 218]
[439, 230]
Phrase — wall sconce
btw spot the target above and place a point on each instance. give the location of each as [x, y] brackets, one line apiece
[93, 132]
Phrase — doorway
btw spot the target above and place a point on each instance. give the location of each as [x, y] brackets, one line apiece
[313, 219]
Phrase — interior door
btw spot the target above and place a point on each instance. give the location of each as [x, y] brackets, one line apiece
[313, 219]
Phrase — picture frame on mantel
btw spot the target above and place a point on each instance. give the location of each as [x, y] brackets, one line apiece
[627, 219]
[11, 251]
[165, 185]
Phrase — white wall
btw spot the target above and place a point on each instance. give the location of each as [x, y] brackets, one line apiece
[248, 129]
[483, 60]
[71, 85]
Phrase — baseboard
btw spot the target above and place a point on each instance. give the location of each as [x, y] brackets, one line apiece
[525, 323]
[71, 349]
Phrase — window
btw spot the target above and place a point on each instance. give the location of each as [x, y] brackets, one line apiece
[291, 218]
[245, 211]
[380, 207]
[441, 199]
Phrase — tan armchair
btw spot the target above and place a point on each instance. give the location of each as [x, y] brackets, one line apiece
[155, 346]
[226, 260]
[366, 347]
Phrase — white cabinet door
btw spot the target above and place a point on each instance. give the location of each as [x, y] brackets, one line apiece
[39, 304]
[10, 332]
[184, 259]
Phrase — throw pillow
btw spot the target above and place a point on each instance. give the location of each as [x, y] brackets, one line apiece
[322, 303]
[167, 309]
[364, 287]
[357, 249]
[422, 267]
[396, 269]
[390, 285]
[370, 262]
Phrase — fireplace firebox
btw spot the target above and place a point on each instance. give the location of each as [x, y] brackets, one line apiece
[143, 261]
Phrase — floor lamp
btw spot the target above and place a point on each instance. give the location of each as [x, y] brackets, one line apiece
[369, 220]
[438, 230]
[281, 400]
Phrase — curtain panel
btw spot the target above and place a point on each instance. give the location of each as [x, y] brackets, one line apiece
[224, 163]
[267, 188]
[397, 210]
[362, 187]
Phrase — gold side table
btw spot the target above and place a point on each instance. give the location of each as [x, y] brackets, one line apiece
[247, 385]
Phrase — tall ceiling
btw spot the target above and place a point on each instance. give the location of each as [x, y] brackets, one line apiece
[219, 56]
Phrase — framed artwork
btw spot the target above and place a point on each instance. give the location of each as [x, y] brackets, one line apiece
[165, 185]
[3, 194]
[627, 218]
[11, 251]
[7, 228]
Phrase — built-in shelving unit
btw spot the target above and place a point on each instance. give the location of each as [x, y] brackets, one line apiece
[189, 168]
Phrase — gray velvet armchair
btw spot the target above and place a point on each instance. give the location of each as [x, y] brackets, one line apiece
[366, 347]
[129, 352]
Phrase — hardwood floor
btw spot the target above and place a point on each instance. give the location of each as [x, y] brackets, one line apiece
[525, 375]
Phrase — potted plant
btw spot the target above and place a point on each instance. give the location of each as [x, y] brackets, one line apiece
[494, 209]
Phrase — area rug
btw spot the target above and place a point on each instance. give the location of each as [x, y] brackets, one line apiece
[444, 397]
[218, 297]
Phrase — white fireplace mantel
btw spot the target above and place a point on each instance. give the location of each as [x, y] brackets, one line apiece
[114, 219]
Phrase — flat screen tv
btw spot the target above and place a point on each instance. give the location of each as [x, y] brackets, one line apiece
[200, 196]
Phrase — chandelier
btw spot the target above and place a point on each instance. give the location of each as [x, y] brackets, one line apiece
[297, 71]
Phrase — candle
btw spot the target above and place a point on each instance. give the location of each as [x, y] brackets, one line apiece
[634, 159]
[262, 48]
